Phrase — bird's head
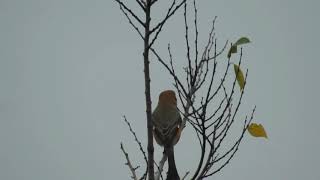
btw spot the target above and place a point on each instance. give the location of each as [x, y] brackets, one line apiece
[167, 97]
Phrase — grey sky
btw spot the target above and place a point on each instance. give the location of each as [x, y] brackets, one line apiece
[69, 70]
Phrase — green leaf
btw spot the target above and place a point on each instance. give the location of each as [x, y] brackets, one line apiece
[232, 50]
[241, 41]
[239, 76]
[234, 47]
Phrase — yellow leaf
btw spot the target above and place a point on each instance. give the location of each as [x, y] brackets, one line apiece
[239, 76]
[257, 130]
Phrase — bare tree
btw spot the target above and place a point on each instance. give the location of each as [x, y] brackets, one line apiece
[209, 99]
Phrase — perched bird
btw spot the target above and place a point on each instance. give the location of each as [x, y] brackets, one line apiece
[167, 128]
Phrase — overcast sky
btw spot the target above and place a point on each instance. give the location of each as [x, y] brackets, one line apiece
[70, 69]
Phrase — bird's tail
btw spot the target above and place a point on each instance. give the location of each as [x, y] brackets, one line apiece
[172, 169]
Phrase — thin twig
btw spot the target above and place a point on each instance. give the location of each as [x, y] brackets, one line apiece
[138, 142]
[131, 12]
[158, 174]
[128, 163]
[132, 24]
[185, 176]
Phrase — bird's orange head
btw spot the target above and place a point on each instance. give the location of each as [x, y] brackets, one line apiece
[167, 97]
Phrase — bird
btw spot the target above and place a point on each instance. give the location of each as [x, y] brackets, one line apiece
[167, 128]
